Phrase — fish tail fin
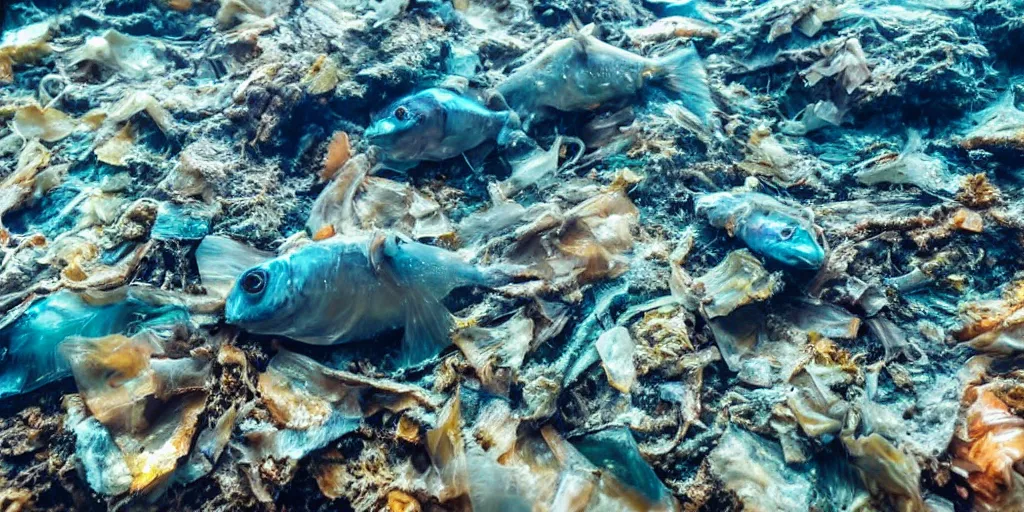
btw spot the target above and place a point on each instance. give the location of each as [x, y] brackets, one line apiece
[428, 325]
[683, 72]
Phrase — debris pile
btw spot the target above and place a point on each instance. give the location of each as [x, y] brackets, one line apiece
[650, 255]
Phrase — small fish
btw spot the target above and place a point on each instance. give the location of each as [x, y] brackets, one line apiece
[435, 125]
[347, 289]
[582, 72]
[766, 226]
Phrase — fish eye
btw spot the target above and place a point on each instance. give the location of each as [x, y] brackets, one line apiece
[254, 281]
[786, 233]
[401, 113]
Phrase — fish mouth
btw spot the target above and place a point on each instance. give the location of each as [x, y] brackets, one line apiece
[233, 313]
[379, 132]
[236, 314]
[805, 257]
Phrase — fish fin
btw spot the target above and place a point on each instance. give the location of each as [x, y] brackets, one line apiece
[427, 320]
[497, 102]
[476, 157]
[377, 256]
[577, 27]
[510, 130]
[683, 72]
[582, 42]
[511, 123]
[221, 260]
[398, 166]
[427, 328]
[575, 24]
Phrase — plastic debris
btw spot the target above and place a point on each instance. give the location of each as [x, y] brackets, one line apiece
[912, 167]
[25, 45]
[122, 383]
[987, 455]
[844, 62]
[616, 349]
[999, 127]
[310, 405]
[30, 353]
[616, 451]
[186, 222]
[754, 469]
[672, 27]
[738, 281]
[132, 56]
[48, 124]
[652, 255]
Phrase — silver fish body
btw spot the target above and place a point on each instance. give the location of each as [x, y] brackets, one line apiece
[347, 289]
[766, 226]
[582, 72]
[435, 125]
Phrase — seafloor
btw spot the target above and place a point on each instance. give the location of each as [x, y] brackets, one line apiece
[648, 355]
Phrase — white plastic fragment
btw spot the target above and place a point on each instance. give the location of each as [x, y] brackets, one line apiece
[912, 167]
[845, 61]
[616, 348]
[135, 57]
[99, 458]
[754, 469]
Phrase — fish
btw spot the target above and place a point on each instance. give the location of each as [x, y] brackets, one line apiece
[351, 288]
[782, 238]
[29, 355]
[768, 227]
[581, 73]
[435, 125]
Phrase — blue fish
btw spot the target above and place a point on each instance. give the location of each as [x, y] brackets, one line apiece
[435, 125]
[347, 289]
[766, 226]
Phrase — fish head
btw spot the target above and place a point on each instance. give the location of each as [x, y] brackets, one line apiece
[408, 125]
[784, 239]
[263, 297]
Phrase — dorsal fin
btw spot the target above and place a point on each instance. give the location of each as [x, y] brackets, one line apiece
[582, 43]
[495, 101]
[456, 84]
[581, 35]
[376, 254]
[427, 321]
[576, 27]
